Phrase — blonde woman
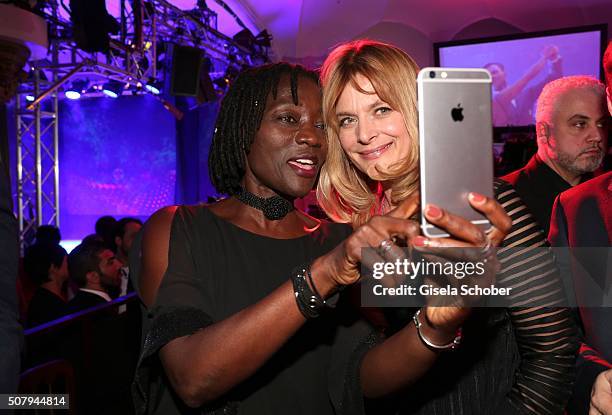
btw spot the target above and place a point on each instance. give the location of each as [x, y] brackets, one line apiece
[515, 360]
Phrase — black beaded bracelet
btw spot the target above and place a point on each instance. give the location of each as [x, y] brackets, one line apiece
[329, 302]
[311, 283]
[309, 302]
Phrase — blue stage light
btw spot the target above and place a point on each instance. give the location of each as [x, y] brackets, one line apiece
[152, 89]
[113, 89]
[76, 88]
[109, 93]
[72, 94]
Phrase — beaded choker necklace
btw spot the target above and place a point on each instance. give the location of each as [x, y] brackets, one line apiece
[274, 208]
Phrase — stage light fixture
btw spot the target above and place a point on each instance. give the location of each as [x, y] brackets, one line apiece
[245, 38]
[255, 44]
[153, 87]
[76, 89]
[71, 94]
[29, 98]
[112, 89]
[223, 83]
[263, 38]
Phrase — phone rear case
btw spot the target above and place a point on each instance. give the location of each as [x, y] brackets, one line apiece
[456, 145]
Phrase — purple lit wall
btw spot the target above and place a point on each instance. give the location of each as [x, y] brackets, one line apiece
[117, 157]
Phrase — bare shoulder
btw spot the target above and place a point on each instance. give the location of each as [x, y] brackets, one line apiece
[155, 246]
[161, 219]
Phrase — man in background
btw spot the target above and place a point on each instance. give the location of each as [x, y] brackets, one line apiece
[96, 271]
[99, 349]
[571, 131]
[105, 229]
[126, 231]
[46, 266]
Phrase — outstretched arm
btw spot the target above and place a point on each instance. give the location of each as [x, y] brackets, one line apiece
[510, 92]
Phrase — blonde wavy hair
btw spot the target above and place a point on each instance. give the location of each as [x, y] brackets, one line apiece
[344, 192]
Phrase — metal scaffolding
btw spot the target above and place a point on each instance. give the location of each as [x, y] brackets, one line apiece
[132, 60]
[37, 157]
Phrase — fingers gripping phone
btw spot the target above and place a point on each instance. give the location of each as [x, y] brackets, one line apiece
[456, 141]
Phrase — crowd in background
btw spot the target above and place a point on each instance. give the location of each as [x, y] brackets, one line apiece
[73, 295]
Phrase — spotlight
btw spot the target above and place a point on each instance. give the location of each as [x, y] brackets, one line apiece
[29, 98]
[112, 89]
[153, 87]
[70, 94]
[77, 88]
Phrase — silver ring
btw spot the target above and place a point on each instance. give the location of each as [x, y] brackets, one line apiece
[488, 249]
[385, 246]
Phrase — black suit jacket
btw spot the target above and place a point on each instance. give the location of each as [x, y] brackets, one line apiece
[100, 355]
[538, 185]
[83, 300]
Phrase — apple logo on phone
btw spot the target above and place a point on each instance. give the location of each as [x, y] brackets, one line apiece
[457, 113]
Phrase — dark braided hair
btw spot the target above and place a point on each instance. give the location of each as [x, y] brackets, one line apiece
[239, 119]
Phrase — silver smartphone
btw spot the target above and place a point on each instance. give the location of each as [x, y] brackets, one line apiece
[456, 141]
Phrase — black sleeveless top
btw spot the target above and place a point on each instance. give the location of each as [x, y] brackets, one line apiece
[216, 269]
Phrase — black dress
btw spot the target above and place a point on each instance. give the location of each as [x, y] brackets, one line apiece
[216, 269]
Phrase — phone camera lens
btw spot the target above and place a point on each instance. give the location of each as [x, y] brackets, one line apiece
[432, 74]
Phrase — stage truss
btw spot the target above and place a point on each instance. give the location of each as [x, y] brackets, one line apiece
[132, 60]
